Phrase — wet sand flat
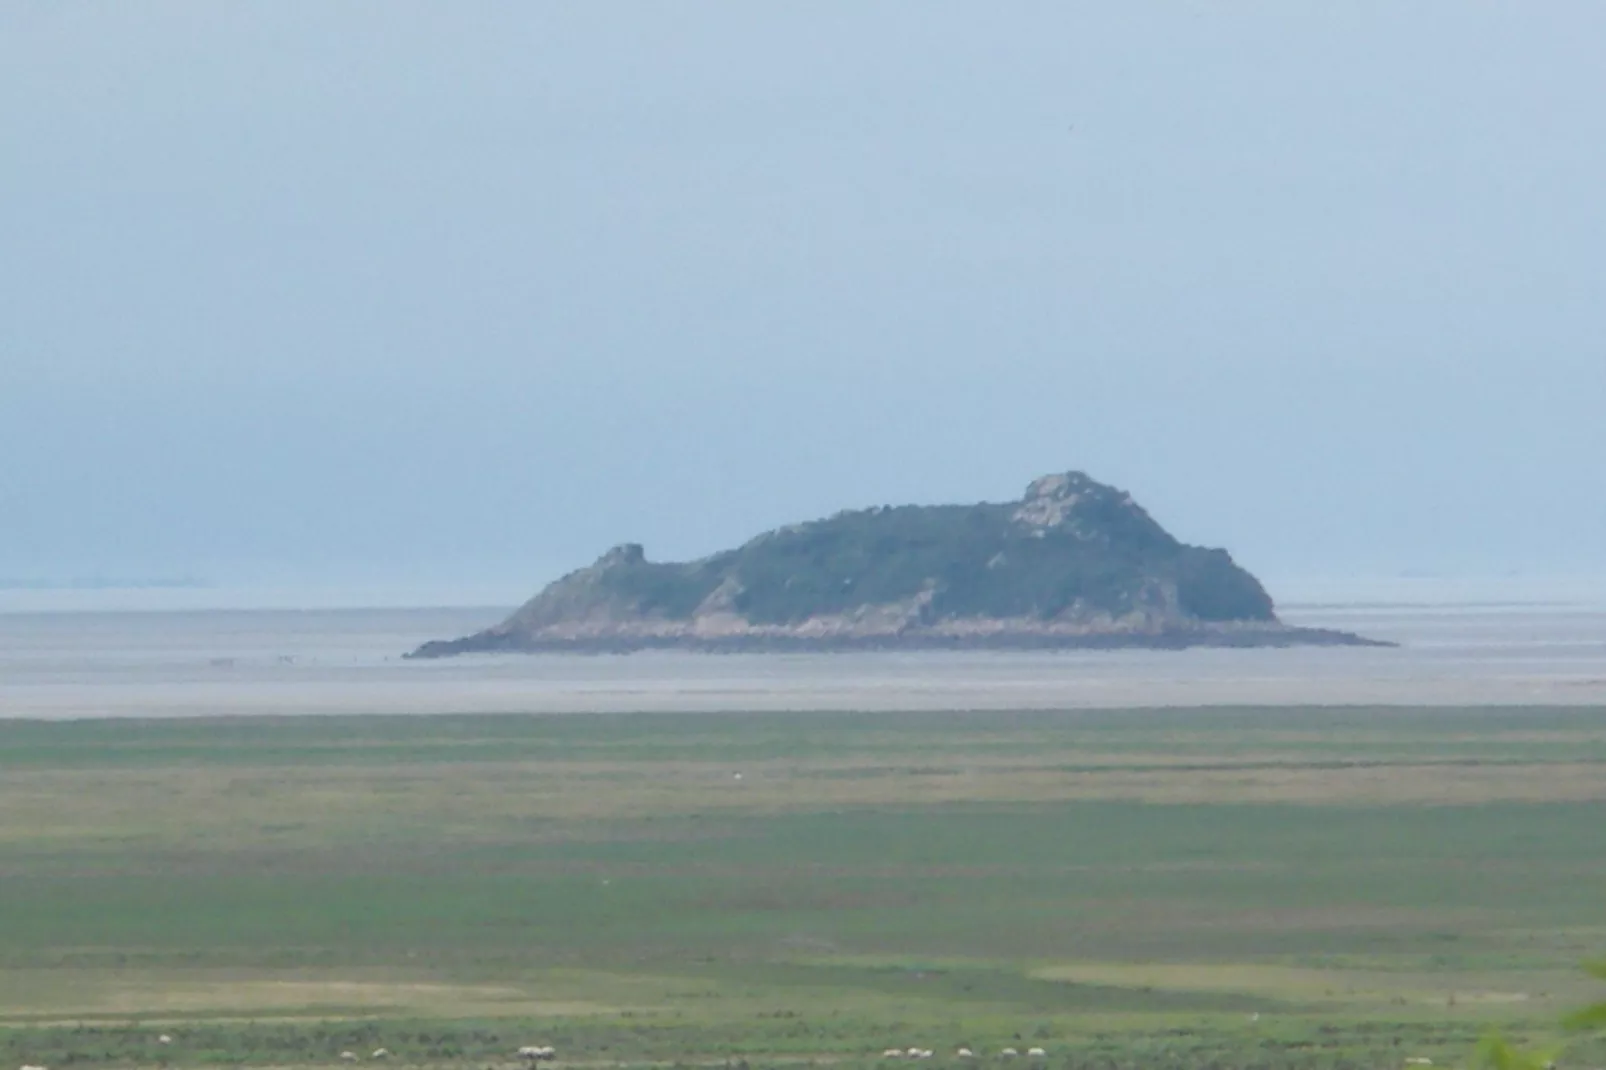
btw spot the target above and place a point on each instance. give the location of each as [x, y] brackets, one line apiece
[226, 663]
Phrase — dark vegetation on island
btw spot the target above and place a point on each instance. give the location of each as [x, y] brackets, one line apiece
[1074, 563]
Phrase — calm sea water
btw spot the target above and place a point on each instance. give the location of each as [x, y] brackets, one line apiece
[240, 662]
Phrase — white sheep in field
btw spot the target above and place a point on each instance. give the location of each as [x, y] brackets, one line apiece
[33, 1068]
[348, 1056]
[537, 1053]
[380, 1053]
[964, 1053]
[1036, 1053]
[890, 1053]
[1008, 1053]
[1419, 1061]
[164, 1039]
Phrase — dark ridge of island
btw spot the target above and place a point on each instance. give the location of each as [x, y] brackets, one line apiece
[1075, 563]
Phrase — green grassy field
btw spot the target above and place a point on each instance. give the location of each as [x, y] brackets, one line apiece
[1204, 888]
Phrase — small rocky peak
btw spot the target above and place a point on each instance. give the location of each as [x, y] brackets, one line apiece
[1062, 485]
[1051, 500]
[623, 555]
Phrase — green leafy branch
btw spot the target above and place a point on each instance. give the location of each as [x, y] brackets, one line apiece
[1495, 1053]
[1592, 1017]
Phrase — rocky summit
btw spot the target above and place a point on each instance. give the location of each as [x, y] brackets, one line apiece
[1073, 563]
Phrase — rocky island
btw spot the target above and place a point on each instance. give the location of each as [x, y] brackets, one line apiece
[1074, 563]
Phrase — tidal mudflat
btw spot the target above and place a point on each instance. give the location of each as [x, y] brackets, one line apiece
[243, 663]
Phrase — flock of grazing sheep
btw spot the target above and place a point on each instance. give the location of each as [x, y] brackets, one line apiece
[541, 1053]
[528, 1054]
[534, 1053]
[961, 1053]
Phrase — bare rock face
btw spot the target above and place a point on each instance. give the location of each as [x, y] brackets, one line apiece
[1052, 503]
[1072, 563]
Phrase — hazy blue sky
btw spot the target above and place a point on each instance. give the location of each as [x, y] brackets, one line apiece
[461, 294]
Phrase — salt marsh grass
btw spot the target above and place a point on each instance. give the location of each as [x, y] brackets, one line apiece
[1210, 887]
